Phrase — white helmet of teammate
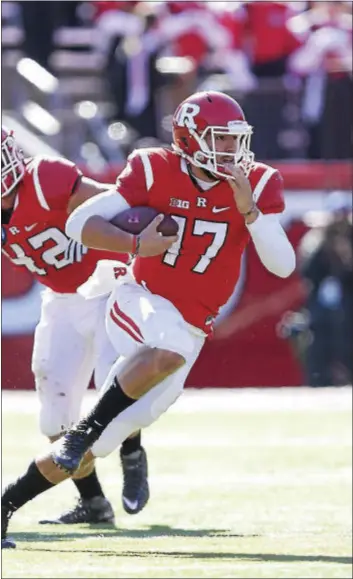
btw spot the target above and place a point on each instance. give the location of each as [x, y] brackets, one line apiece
[12, 162]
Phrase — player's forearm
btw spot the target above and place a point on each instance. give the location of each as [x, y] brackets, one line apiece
[100, 234]
[272, 245]
[89, 223]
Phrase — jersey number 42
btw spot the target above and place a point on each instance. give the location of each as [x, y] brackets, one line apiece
[63, 253]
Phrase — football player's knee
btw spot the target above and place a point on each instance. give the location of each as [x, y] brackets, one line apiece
[53, 424]
[56, 413]
[40, 369]
[166, 362]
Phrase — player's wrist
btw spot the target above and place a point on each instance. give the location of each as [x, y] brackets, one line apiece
[136, 241]
[248, 210]
[251, 214]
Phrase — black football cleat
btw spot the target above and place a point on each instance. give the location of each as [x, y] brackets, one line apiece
[136, 490]
[70, 449]
[95, 510]
[8, 543]
[6, 514]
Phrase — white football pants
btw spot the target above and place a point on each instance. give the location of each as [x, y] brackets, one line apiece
[136, 318]
[70, 343]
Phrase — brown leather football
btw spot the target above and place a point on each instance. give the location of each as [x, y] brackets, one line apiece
[135, 219]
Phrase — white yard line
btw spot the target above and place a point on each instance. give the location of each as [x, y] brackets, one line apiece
[222, 400]
[172, 440]
[290, 479]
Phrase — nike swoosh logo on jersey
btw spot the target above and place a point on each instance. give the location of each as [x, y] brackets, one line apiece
[219, 209]
[30, 227]
[131, 504]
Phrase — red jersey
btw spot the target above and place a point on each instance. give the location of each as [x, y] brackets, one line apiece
[199, 272]
[269, 36]
[35, 234]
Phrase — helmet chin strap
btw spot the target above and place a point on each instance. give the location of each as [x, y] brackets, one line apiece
[209, 171]
[209, 174]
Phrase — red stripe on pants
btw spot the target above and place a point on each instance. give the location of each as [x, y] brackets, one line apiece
[125, 327]
[126, 319]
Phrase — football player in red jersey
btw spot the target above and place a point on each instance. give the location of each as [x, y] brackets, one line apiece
[160, 312]
[70, 339]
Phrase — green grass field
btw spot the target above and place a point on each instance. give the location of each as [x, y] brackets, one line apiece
[246, 484]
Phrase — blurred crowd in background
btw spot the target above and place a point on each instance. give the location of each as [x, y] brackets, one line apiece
[326, 263]
[96, 79]
[289, 63]
[321, 333]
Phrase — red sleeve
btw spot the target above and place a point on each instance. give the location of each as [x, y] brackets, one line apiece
[271, 199]
[132, 182]
[55, 182]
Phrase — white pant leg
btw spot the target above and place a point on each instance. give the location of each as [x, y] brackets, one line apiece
[141, 313]
[63, 359]
[135, 317]
[105, 355]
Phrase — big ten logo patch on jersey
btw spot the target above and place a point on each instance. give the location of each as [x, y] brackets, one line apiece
[179, 203]
[186, 115]
[119, 272]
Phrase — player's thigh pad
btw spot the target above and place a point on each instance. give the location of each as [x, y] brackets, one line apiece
[148, 408]
[62, 364]
[105, 354]
[136, 317]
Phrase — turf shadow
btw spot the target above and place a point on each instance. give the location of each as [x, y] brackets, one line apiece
[158, 531]
[207, 555]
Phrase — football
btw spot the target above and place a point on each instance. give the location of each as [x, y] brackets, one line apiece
[135, 219]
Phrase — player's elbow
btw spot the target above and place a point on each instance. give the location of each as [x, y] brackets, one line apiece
[287, 266]
[284, 272]
[75, 225]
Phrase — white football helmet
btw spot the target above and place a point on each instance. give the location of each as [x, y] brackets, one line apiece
[12, 162]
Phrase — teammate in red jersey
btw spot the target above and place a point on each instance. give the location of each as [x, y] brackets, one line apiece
[70, 339]
[160, 312]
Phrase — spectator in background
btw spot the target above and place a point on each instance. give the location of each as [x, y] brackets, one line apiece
[183, 25]
[231, 58]
[39, 24]
[40, 20]
[326, 263]
[140, 32]
[114, 20]
[189, 30]
[325, 62]
[130, 61]
[180, 34]
[267, 38]
[261, 35]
